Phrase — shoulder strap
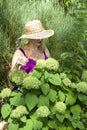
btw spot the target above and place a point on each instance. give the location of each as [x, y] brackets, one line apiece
[27, 56]
[45, 56]
[22, 51]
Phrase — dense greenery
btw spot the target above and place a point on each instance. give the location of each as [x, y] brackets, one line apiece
[45, 99]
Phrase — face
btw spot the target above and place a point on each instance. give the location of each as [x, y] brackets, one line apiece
[37, 42]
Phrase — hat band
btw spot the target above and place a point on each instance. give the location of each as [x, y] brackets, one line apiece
[34, 31]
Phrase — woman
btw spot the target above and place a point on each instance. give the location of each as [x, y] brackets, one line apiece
[25, 58]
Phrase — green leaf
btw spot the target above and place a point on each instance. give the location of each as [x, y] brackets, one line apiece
[37, 125]
[45, 128]
[5, 110]
[42, 79]
[61, 96]
[68, 116]
[69, 128]
[52, 95]
[60, 117]
[43, 101]
[21, 128]
[54, 79]
[80, 125]
[75, 109]
[17, 100]
[70, 99]
[76, 117]
[36, 74]
[46, 75]
[66, 55]
[34, 116]
[74, 124]
[12, 126]
[14, 93]
[29, 125]
[45, 88]
[23, 119]
[33, 124]
[62, 128]
[31, 101]
[10, 120]
[82, 98]
[52, 124]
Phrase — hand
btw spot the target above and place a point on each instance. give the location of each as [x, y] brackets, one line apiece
[22, 61]
[3, 125]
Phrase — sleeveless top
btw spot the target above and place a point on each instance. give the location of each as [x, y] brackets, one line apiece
[29, 67]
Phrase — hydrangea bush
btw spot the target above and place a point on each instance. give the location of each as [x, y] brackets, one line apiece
[46, 100]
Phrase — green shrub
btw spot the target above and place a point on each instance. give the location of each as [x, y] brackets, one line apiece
[44, 101]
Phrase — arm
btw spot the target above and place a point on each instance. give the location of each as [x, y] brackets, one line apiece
[18, 59]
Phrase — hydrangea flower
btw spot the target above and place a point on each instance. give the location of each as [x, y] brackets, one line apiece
[40, 63]
[17, 77]
[43, 111]
[6, 92]
[82, 87]
[72, 85]
[19, 112]
[31, 82]
[67, 82]
[63, 75]
[60, 107]
[52, 64]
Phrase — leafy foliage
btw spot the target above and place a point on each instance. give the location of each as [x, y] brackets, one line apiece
[51, 106]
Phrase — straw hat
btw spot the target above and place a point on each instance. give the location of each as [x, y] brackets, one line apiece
[35, 30]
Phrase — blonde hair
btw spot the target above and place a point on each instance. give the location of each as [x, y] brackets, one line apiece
[42, 47]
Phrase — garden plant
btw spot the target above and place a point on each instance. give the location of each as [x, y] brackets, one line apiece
[45, 99]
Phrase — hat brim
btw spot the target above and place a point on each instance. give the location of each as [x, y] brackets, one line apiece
[41, 35]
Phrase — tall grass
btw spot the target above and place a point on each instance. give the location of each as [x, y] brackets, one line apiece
[17, 13]
[5, 56]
